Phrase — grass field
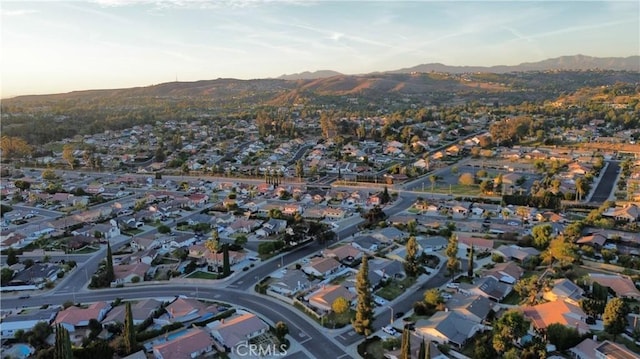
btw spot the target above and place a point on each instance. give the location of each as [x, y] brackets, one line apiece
[395, 288]
[456, 190]
[202, 275]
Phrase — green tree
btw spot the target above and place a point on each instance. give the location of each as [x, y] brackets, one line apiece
[615, 316]
[12, 256]
[541, 236]
[411, 265]
[110, 274]
[563, 337]
[453, 264]
[164, 229]
[510, 327]
[363, 322]
[129, 331]
[281, 331]
[6, 275]
[422, 351]
[560, 249]
[405, 346]
[470, 269]
[62, 349]
[340, 305]
[226, 267]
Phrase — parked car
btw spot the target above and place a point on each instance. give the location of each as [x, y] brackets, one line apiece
[389, 330]
[453, 285]
[399, 315]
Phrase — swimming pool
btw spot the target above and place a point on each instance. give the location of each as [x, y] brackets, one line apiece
[19, 351]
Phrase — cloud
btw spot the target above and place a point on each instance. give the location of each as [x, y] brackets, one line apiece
[18, 12]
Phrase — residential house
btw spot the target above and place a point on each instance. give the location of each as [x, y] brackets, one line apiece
[291, 209]
[388, 234]
[488, 287]
[238, 329]
[25, 320]
[344, 252]
[130, 273]
[184, 310]
[195, 343]
[107, 231]
[629, 213]
[272, 226]
[595, 240]
[550, 217]
[140, 311]
[622, 286]
[432, 243]
[367, 244]
[334, 213]
[321, 266]
[387, 269]
[142, 243]
[323, 298]
[447, 328]
[473, 307]
[182, 240]
[507, 272]
[197, 200]
[585, 350]
[479, 244]
[611, 350]
[291, 282]
[514, 252]
[556, 312]
[74, 317]
[564, 289]
[38, 274]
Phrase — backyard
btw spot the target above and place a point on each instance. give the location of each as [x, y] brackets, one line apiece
[393, 289]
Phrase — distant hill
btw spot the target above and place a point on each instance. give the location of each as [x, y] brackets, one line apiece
[320, 74]
[576, 62]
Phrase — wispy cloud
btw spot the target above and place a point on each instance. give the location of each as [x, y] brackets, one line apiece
[18, 12]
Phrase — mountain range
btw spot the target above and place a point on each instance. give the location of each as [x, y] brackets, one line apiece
[576, 62]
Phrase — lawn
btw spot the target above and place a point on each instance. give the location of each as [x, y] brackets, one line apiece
[333, 320]
[458, 189]
[395, 288]
[375, 350]
[85, 250]
[202, 275]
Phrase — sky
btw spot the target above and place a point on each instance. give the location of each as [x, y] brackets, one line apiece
[62, 46]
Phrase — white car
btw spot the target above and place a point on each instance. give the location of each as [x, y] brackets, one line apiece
[453, 285]
[379, 301]
[389, 330]
[446, 296]
[513, 224]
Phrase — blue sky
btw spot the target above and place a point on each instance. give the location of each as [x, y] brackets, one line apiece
[56, 46]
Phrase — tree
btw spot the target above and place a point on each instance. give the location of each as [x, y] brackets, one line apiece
[422, 351]
[466, 179]
[506, 330]
[6, 275]
[62, 349]
[164, 229]
[453, 264]
[12, 256]
[541, 236]
[563, 337]
[385, 197]
[485, 186]
[67, 154]
[129, 332]
[433, 180]
[405, 346]
[281, 330]
[340, 305]
[470, 269]
[226, 267]
[432, 297]
[299, 169]
[615, 316]
[363, 322]
[561, 250]
[411, 265]
[110, 274]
